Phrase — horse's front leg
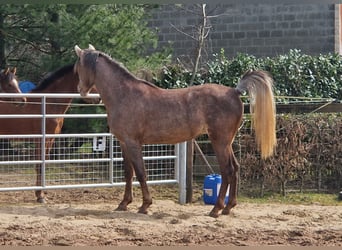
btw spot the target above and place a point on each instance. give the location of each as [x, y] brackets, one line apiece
[139, 169]
[128, 195]
[133, 155]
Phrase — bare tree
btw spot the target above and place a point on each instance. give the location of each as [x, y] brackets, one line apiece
[200, 36]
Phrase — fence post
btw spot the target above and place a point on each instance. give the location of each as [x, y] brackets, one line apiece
[43, 143]
[182, 172]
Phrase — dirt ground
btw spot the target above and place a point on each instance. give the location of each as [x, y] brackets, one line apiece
[86, 217]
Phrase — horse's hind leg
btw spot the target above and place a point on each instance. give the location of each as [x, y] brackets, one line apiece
[233, 185]
[39, 193]
[224, 153]
[48, 145]
[223, 159]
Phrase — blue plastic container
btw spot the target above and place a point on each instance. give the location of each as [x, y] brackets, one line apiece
[211, 189]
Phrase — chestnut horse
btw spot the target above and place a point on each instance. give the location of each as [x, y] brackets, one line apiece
[63, 80]
[9, 84]
[139, 112]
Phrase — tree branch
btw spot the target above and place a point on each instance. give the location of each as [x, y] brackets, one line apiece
[180, 31]
[202, 34]
[25, 42]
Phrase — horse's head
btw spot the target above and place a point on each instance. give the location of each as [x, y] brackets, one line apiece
[85, 68]
[9, 83]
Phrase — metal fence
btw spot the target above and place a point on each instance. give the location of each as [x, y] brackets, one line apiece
[79, 160]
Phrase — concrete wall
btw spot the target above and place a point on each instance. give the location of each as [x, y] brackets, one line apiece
[256, 29]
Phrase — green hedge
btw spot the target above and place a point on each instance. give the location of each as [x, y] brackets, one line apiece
[295, 73]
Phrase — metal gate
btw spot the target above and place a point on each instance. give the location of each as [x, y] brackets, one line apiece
[78, 160]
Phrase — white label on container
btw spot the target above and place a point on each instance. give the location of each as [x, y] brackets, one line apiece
[208, 192]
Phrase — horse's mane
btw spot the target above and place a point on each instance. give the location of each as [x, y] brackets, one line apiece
[91, 57]
[45, 82]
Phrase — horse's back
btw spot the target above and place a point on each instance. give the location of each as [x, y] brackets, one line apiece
[214, 100]
[171, 116]
[220, 104]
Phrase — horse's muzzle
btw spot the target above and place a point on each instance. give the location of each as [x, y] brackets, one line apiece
[20, 102]
[82, 93]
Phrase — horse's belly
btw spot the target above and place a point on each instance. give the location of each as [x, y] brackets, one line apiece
[162, 129]
[172, 135]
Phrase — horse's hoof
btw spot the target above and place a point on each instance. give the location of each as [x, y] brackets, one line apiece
[213, 214]
[41, 200]
[142, 211]
[121, 208]
[226, 211]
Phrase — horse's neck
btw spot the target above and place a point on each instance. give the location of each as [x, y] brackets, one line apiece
[63, 85]
[116, 84]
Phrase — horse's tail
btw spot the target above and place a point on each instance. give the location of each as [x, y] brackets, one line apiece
[258, 84]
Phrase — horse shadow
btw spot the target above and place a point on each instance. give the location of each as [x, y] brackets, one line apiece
[72, 212]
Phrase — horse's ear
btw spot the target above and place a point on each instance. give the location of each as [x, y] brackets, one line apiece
[78, 51]
[6, 71]
[247, 72]
[14, 70]
[91, 47]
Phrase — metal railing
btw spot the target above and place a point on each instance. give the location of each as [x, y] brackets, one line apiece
[78, 160]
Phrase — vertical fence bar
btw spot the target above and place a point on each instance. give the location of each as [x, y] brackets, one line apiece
[111, 156]
[177, 161]
[182, 172]
[42, 148]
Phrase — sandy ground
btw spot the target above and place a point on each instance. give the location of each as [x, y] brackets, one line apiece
[87, 218]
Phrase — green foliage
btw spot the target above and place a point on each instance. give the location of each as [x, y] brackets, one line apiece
[174, 76]
[228, 72]
[29, 33]
[119, 30]
[295, 74]
[40, 38]
[86, 125]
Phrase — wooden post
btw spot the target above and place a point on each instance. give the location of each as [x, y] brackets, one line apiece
[189, 170]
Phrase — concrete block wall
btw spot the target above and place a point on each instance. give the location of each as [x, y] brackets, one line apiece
[257, 29]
